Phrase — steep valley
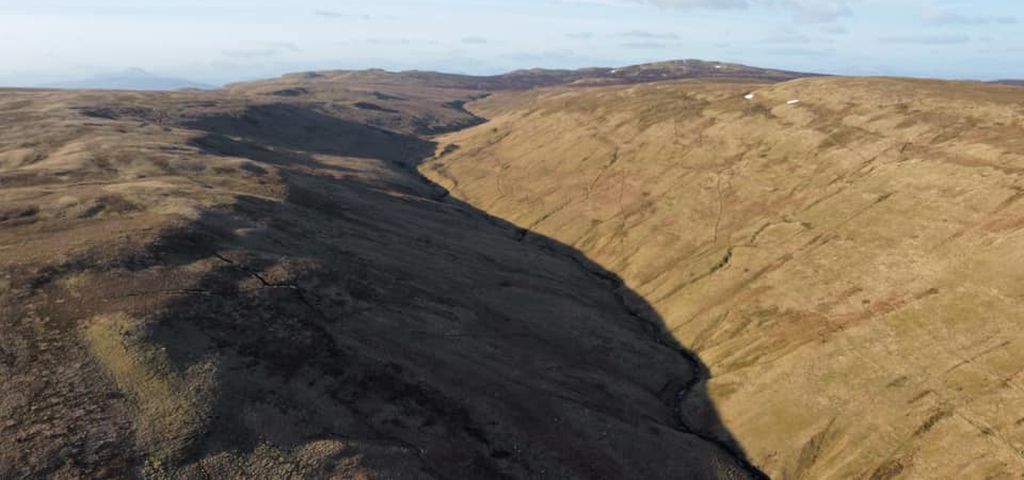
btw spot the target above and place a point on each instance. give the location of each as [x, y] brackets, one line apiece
[677, 270]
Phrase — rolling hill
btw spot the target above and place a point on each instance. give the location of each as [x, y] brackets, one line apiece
[1018, 83]
[257, 283]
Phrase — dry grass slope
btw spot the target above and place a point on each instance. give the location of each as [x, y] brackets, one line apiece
[851, 267]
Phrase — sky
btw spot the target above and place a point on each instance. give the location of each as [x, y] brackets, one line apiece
[221, 41]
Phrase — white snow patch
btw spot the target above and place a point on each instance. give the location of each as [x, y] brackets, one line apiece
[793, 102]
[749, 96]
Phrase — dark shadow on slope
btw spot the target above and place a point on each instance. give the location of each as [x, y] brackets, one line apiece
[388, 321]
[294, 130]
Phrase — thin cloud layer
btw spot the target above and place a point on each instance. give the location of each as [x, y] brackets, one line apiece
[926, 39]
[643, 34]
[946, 17]
[803, 11]
[272, 49]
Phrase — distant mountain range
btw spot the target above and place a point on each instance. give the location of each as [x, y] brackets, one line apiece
[139, 79]
[131, 79]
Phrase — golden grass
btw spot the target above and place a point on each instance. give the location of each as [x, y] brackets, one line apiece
[810, 253]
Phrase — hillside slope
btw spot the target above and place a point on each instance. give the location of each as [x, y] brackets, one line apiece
[237, 284]
[847, 255]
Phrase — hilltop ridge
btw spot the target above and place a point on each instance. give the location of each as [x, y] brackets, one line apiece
[541, 77]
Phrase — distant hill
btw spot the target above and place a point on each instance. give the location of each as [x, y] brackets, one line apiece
[1019, 83]
[344, 91]
[131, 79]
[539, 77]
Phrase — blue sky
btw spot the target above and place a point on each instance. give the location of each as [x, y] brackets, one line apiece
[218, 41]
